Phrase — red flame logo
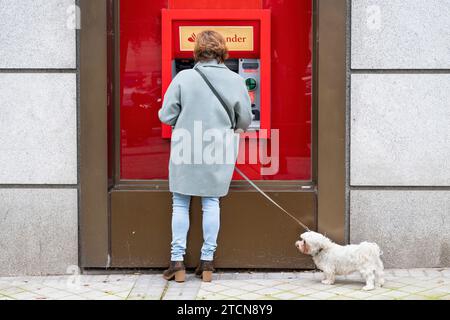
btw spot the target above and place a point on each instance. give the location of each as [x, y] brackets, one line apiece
[192, 37]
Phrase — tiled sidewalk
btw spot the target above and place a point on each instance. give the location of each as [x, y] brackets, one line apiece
[400, 284]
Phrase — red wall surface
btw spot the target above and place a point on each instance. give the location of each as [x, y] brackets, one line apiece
[144, 154]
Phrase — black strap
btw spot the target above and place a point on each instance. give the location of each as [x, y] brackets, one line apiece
[222, 102]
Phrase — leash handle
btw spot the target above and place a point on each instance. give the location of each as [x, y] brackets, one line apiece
[270, 199]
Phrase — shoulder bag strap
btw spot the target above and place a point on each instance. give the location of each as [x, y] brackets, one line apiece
[222, 102]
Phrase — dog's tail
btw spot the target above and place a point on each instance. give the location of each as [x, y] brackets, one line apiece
[373, 248]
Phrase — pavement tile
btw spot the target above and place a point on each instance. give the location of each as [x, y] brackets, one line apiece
[360, 294]
[339, 289]
[109, 297]
[5, 284]
[380, 297]
[214, 287]
[72, 297]
[394, 285]
[240, 275]
[123, 294]
[11, 291]
[379, 290]
[340, 297]
[400, 272]
[177, 291]
[306, 275]
[414, 297]
[304, 298]
[267, 297]
[280, 275]
[57, 281]
[434, 293]
[264, 282]
[411, 289]
[214, 296]
[320, 286]
[417, 272]
[226, 276]
[355, 285]
[77, 289]
[286, 295]
[318, 275]
[246, 276]
[233, 292]
[304, 282]
[287, 286]
[146, 297]
[445, 273]
[395, 294]
[251, 287]
[304, 291]
[96, 295]
[52, 293]
[250, 296]
[268, 291]
[179, 297]
[148, 291]
[272, 283]
[433, 272]
[322, 295]
[226, 283]
[27, 296]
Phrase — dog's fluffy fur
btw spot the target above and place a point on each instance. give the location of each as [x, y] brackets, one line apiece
[334, 259]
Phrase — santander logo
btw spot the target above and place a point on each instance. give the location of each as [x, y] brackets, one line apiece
[192, 37]
[234, 38]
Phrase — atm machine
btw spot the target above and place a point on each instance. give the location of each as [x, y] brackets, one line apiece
[247, 33]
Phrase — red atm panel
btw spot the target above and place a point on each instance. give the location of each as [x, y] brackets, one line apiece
[250, 23]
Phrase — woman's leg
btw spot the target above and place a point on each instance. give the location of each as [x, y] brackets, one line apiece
[211, 225]
[180, 225]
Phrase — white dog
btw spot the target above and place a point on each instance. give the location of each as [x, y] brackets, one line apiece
[334, 259]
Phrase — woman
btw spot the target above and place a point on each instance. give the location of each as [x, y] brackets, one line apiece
[192, 109]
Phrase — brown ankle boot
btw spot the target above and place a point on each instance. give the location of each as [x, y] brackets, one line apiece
[176, 270]
[205, 270]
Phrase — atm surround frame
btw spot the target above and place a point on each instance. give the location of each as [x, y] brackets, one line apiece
[262, 16]
[329, 116]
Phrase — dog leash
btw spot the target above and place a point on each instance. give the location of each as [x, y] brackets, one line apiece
[229, 113]
[270, 199]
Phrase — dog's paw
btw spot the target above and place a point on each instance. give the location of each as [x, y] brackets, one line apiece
[368, 287]
[379, 283]
[326, 281]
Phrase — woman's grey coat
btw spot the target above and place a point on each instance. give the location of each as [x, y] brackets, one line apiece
[191, 108]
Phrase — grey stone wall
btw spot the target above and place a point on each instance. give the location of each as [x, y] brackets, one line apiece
[400, 129]
[38, 137]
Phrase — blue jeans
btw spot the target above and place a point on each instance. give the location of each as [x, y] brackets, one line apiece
[180, 226]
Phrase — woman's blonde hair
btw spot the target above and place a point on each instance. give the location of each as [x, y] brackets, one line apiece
[210, 45]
